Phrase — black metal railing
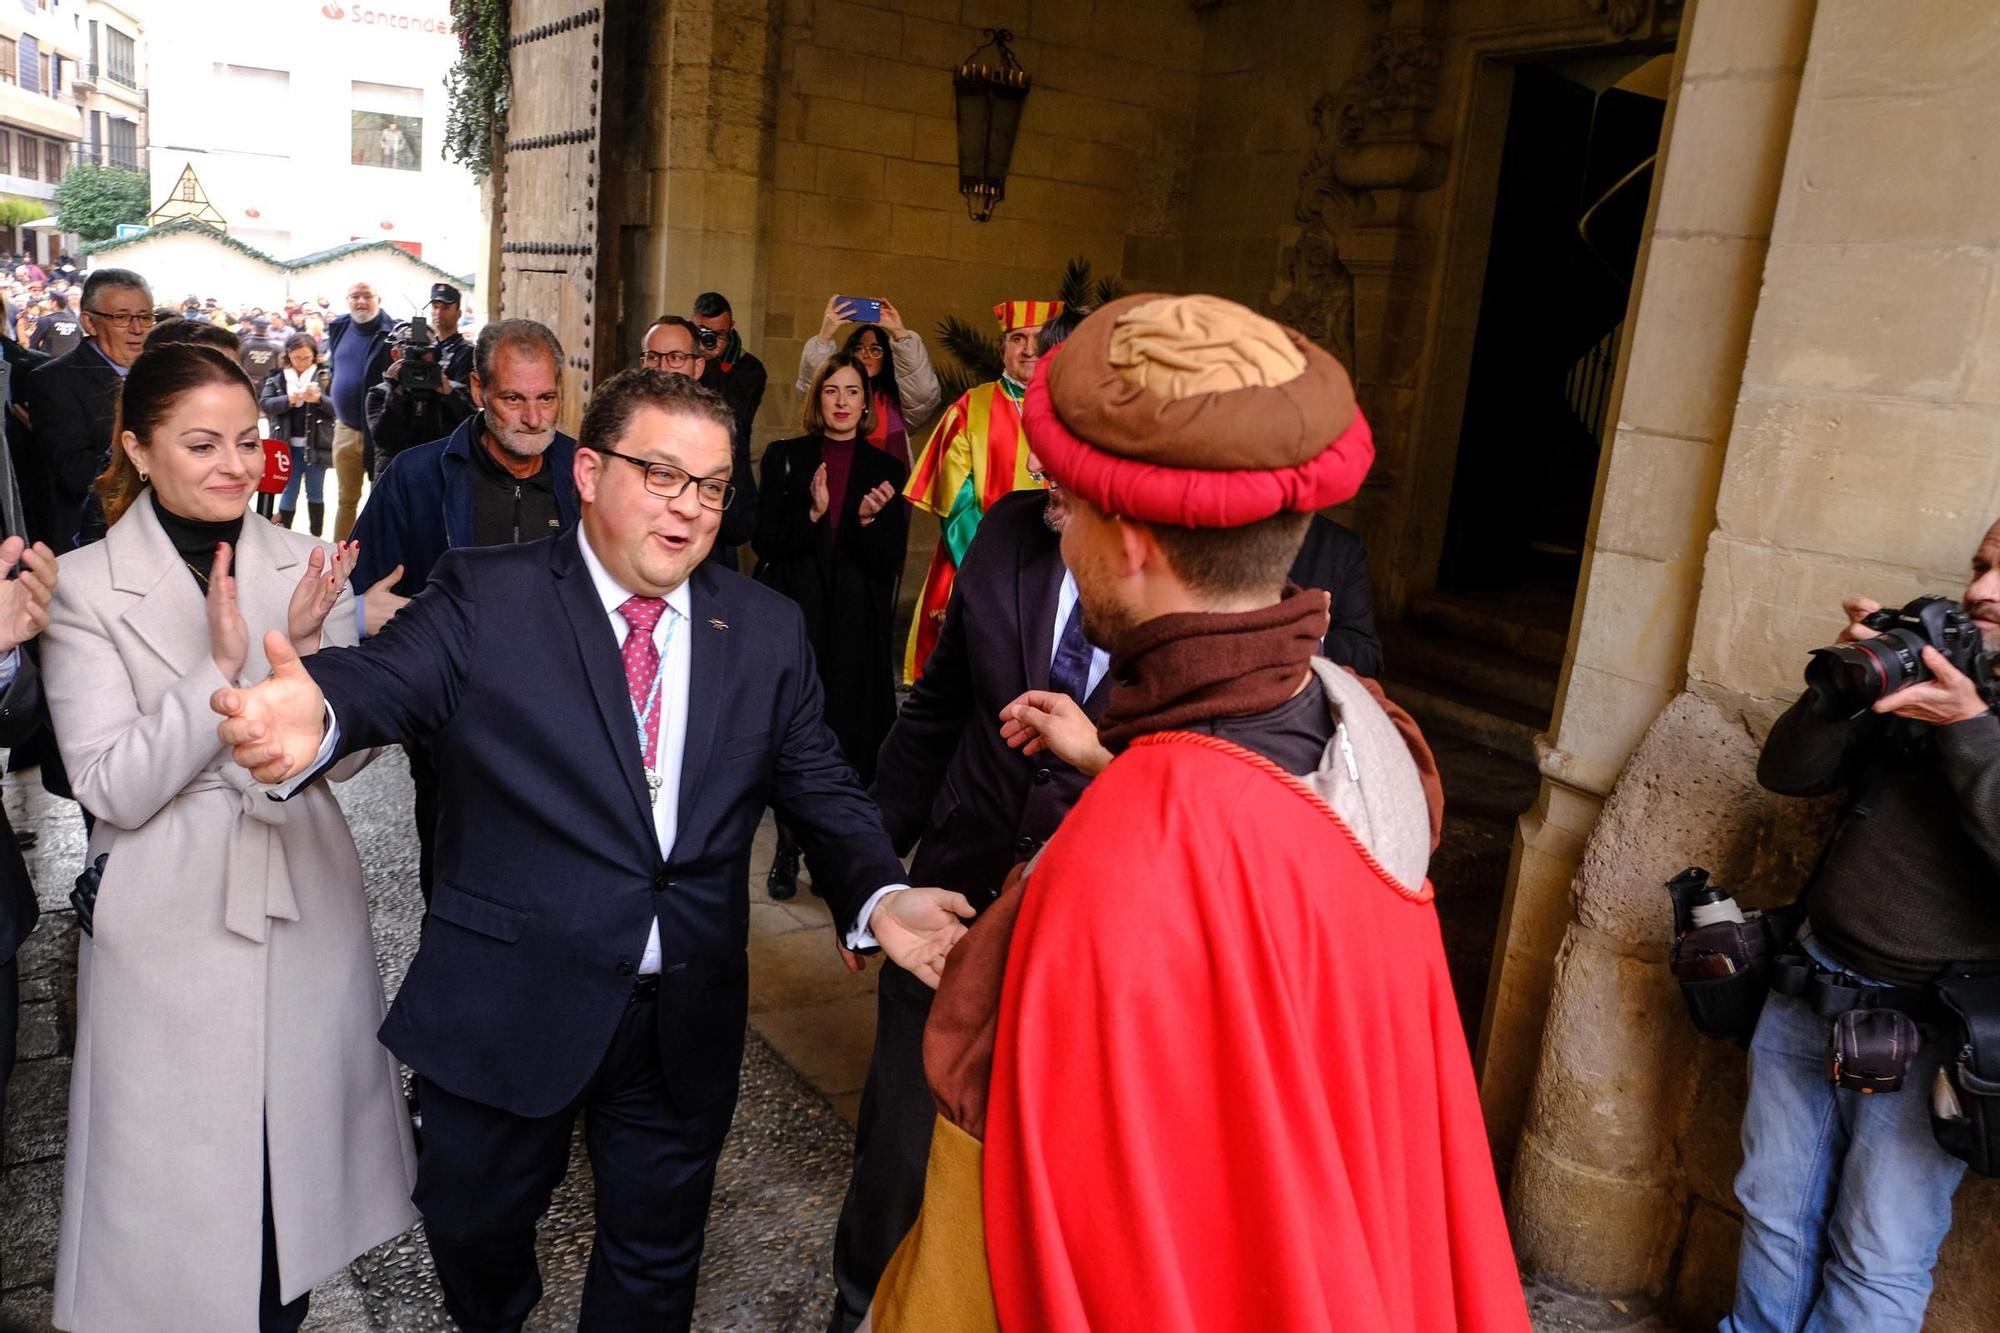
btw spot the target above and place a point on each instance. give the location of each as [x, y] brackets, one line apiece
[109, 155]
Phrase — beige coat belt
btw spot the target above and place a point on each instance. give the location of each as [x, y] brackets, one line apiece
[256, 881]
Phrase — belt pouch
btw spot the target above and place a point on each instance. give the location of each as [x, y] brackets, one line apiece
[1965, 1106]
[1873, 1049]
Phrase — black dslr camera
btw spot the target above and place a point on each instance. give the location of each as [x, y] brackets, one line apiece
[421, 374]
[1847, 678]
[707, 337]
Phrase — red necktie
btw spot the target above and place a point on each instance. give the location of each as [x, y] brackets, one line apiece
[642, 669]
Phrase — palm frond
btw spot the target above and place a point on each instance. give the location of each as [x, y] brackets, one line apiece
[1074, 290]
[978, 354]
[1108, 289]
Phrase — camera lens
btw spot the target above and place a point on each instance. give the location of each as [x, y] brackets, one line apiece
[1846, 678]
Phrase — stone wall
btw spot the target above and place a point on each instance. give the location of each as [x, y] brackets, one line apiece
[862, 196]
[1859, 459]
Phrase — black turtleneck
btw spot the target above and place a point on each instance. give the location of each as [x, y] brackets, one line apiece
[195, 539]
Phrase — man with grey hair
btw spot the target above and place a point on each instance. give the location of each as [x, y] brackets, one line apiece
[71, 400]
[504, 476]
[357, 352]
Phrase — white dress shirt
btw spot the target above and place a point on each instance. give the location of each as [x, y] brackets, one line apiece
[1100, 661]
[671, 636]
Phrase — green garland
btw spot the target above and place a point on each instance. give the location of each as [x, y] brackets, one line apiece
[477, 85]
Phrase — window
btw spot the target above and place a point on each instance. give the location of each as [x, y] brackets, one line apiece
[124, 143]
[6, 154]
[31, 160]
[48, 83]
[388, 127]
[10, 59]
[30, 64]
[52, 160]
[121, 58]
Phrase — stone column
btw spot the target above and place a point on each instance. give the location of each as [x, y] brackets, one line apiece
[1687, 334]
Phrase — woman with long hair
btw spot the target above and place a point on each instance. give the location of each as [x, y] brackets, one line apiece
[236, 1134]
[903, 390]
[296, 403]
[830, 537]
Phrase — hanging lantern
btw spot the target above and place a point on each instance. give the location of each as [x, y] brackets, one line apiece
[990, 94]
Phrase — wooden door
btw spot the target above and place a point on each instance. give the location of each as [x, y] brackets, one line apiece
[551, 192]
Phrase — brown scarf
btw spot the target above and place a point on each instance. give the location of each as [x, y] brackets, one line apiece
[1197, 665]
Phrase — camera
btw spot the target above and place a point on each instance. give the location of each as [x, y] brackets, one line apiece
[421, 372]
[707, 337]
[1847, 678]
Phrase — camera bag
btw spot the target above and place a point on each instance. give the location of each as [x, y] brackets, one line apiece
[1965, 1106]
[1727, 1006]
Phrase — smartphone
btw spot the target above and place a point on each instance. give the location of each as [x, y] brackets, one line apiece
[861, 309]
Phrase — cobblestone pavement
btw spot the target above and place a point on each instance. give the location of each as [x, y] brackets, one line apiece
[783, 1168]
[783, 1171]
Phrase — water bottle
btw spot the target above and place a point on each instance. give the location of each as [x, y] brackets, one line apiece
[1700, 902]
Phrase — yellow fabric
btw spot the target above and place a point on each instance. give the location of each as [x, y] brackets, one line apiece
[937, 1281]
[961, 447]
[1025, 314]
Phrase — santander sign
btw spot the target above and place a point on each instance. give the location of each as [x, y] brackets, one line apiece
[386, 18]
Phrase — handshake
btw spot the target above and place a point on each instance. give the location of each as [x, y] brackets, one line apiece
[275, 728]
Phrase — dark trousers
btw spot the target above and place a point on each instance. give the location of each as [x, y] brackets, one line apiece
[485, 1177]
[10, 1013]
[274, 1315]
[424, 776]
[892, 1144]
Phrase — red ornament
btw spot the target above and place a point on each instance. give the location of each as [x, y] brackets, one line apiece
[252, 213]
[388, 225]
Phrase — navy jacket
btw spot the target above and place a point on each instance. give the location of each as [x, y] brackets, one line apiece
[337, 331]
[1333, 559]
[945, 780]
[421, 507]
[548, 868]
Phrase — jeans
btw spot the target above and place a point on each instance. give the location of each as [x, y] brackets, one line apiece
[314, 478]
[1846, 1195]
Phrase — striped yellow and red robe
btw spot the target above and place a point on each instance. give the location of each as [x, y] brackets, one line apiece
[978, 453]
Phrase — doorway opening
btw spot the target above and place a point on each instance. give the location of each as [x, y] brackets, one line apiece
[1478, 659]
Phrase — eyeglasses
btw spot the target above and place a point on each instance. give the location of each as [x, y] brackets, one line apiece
[676, 360]
[124, 318]
[671, 483]
[868, 350]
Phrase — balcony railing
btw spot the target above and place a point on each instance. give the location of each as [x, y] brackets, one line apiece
[90, 70]
[109, 155]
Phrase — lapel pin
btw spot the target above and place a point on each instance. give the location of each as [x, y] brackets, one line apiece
[718, 624]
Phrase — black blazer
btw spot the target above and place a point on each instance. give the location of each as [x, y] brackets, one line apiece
[20, 714]
[1334, 559]
[548, 867]
[945, 780]
[71, 401]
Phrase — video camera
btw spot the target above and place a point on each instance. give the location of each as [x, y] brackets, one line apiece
[1847, 678]
[422, 373]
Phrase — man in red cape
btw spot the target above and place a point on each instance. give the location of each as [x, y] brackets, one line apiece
[1201, 1067]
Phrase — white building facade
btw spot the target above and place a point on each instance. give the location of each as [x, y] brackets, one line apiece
[314, 123]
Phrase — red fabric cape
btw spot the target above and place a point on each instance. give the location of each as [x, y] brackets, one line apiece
[1230, 1091]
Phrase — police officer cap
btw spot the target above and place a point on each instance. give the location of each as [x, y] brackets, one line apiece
[445, 292]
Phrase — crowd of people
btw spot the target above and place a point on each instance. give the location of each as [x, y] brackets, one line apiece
[1165, 1036]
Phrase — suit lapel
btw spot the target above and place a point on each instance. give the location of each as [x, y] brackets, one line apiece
[597, 647]
[169, 616]
[709, 658]
[1036, 590]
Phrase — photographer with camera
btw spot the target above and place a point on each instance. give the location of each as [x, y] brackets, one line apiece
[419, 399]
[1846, 1191]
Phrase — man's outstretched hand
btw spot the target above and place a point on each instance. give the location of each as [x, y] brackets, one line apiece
[917, 927]
[274, 728]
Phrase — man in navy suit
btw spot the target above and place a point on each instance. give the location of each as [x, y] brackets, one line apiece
[610, 719]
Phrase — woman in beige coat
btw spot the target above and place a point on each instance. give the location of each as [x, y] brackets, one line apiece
[236, 1134]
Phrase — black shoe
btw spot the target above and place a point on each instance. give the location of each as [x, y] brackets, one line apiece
[783, 881]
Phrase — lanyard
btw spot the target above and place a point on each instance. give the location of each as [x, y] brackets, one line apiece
[642, 718]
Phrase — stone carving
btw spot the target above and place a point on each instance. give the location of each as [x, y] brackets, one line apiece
[1400, 81]
[1627, 18]
[1315, 292]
